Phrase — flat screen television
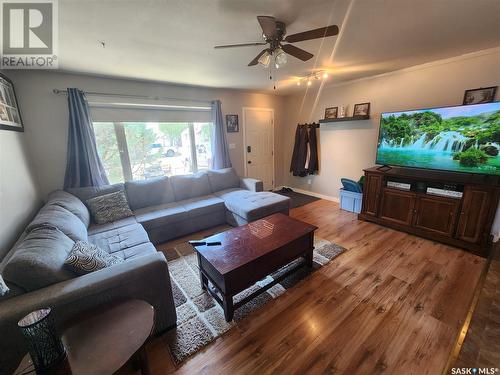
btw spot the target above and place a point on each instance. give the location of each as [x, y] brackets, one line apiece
[460, 139]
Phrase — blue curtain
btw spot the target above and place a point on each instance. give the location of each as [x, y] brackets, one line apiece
[84, 167]
[220, 151]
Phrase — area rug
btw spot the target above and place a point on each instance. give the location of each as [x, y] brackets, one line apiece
[200, 319]
[297, 199]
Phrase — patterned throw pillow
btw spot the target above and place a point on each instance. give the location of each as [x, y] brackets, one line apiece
[4, 289]
[86, 258]
[109, 207]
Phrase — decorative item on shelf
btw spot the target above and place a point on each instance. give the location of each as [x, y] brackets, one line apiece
[343, 111]
[309, 78]
[480, 95]
[361, 109]
[331, 112]
[10, 116]
[44, 345]
[232, 124]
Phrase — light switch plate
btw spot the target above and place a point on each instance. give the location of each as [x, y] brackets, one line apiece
[232, 146]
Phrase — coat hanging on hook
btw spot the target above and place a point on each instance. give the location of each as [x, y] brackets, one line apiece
[305, 150]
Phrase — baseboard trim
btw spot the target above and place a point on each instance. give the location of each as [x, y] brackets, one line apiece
[312, 194]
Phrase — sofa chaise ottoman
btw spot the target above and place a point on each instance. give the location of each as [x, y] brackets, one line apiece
[169, 207]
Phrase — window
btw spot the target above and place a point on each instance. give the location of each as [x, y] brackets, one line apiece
[141, 150]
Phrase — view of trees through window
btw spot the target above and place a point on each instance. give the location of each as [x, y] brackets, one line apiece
[141, 150]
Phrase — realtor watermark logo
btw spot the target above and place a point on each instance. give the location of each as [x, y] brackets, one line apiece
[29, 34]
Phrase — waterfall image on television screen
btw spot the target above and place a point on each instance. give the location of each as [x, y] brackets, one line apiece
[461, 139]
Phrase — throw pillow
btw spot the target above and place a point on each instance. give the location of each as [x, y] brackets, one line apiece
[86, 258]
[109, 207]
[4, 289]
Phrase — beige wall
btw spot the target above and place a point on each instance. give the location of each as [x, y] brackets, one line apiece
[348, 147]
[19, 196]
[46, 115]
[345, 148]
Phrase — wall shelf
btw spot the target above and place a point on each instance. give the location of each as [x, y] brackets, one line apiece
[340, 119]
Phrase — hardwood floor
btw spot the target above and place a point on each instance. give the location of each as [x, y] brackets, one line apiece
[393, 303]
[481, 347]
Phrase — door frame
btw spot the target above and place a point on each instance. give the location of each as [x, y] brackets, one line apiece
[243, 123]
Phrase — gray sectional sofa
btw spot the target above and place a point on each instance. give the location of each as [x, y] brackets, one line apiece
[164, 208]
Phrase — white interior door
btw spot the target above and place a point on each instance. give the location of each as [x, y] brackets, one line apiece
[259, 144]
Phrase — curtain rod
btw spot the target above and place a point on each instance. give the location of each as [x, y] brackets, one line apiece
[130, 96]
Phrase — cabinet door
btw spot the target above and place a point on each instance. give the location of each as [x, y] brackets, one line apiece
[436, 214]
[371, 194]
[473, 215]
[397, 206]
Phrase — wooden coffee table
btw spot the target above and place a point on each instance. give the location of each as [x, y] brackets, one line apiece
[249, 253]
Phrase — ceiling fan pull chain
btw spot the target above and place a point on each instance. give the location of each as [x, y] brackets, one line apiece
[271, 76]
[274, 83]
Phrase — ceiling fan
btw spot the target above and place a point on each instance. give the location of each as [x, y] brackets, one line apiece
[274, 33]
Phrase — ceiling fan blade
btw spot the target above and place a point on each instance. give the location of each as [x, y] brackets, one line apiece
[241, 45]
[313, 34]
[256, 60]
[268, 25]
[297, 52]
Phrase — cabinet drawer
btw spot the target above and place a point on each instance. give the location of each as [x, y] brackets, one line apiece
[397, 206]
[436, 214]
[473, 215]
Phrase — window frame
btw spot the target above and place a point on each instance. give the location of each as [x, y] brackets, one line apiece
[123, 148]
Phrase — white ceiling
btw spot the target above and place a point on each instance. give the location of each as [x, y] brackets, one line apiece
[172, 40]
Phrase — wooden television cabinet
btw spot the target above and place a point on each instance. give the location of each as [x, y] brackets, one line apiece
[459, 221]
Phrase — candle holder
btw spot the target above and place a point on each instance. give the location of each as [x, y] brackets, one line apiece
[44, 345]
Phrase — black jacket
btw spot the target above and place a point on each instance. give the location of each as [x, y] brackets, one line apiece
[305, 151]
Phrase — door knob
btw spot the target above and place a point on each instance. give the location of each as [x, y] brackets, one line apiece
[249, 162]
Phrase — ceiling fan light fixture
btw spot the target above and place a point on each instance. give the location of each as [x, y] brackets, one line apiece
[265, 59]
[280, 58]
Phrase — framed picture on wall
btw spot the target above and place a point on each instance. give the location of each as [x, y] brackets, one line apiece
[10, 116]
[232, 124]
[331, 112]
[480, 95]
[361, 109]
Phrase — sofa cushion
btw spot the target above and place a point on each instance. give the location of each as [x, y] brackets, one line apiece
[39, 259]
[4, 289]
[190, 186]
[86, 193]
[71, 203]
[222, 179]
[14, 291]
[136, 251]
[109, 207]
[253, 206]
[62, 219]
[223, 194]
[157, 216]
[120, 238]
[99, 228]
[204, 205]
[150, 192]
[86, 258]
